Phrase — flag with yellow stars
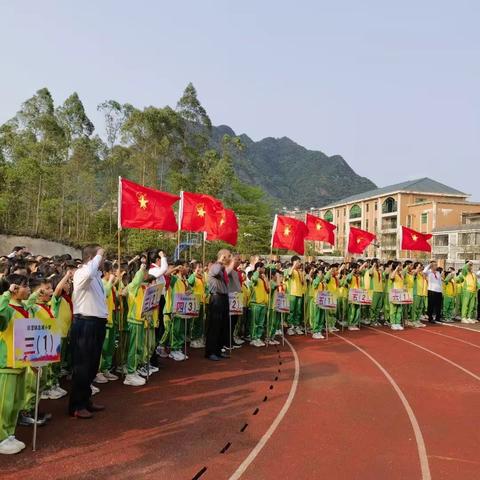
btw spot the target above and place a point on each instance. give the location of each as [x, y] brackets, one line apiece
[359, 240]
[145, 208]
[415, 241]
[226, 228]
[320, 230]
[289, 234]
[198, 212]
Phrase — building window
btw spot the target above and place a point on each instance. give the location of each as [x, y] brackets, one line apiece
[355, 212]
[389, 205]
[338, 213]
[409, 221]
[367, 207]
[344, 212]
[419, 200]
[328, 216]
[376, 225]
[366, 224]
[440, 240]
[376, 206]
[424, 218]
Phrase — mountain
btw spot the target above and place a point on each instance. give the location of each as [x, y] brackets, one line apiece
[292, 174]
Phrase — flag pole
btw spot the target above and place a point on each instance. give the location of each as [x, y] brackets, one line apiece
[119, 257]
[180, 215]
[204, 234]
[267, 337]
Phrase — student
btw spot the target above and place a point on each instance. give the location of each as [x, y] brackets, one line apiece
[332, 284]
[295, 280]
[196, 281]
[258, 304]
[396, 311]
[135, 324]
[377, 288]
[15, 291]
[174, 334]
[109, 281]
[354, 280]
[420, 293]
[468, 279]
[275, 318]
[317, 314]
[449, 294]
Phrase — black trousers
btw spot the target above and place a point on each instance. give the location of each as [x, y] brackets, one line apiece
[434, 305]
[86, 340]
[217, 324]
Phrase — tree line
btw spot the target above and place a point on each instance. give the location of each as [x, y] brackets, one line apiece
[59, 178]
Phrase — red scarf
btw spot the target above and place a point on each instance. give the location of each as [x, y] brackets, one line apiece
[47, 309]
[68, 299]
[20, 310]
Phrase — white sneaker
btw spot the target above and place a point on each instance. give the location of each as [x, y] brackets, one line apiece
[299, 330]
[353, 328]
[318, 336]
[95, 389]
[45, 395]
[51, 394]
[134, 380]
[142, 372]
[153, 369]
[365, 322]
[110, 376]
[409, 323]
[333, 329]
[197, 344]
[100, 378]
[60, 390]
[178, 356]
[272, 341]
[162, 353]
[419, 325]
[238, 340]
[465, 320]
[291, 331]
[7, 447]
[257, 343]
[16, 442]
[343, 323]
[279, 333]
[400, 327]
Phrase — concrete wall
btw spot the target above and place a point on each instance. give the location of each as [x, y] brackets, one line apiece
[36, 246]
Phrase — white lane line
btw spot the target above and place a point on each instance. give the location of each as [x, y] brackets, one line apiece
[266, 437]
[468, 372]
[422, 451]
[426, 330]
[458, 326]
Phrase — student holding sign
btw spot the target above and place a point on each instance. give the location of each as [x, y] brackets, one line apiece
[196, 281]
[236, 297]
[396, 309]
[15, 292]
[377, 287]
[354, 280]
[258, 305]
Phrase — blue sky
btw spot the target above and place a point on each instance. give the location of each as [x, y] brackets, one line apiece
[394, 87]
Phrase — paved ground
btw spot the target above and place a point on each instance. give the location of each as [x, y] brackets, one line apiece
[373, 404]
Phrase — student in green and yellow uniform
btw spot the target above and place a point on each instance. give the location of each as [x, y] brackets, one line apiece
[112, 299]
[458, 298]
[15, 291]
[197, 328]
[295, 280]
[274, 318]
[308, 296]
[174, 335]
[396, 311]
[354, 280]
[409, 281]
[449, 295]
[317, 314]
[378, 295]
[469, 293]
[420, 294]
[332, 284]
[342, 299]
[259, 294]
[387, 270]
[135, 291]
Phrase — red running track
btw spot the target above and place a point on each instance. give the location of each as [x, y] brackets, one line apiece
[347, 419]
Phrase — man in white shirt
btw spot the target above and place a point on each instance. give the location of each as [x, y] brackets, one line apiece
[88, 331]
[435, 288]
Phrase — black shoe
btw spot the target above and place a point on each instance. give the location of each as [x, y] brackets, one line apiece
[27, 419]
[214, 358]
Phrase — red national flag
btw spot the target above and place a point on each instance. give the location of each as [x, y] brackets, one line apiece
[359, 240]
[199, 212]
[412, 240]
[289, 233]
[320, 230]
[226, 228]
[145, 208]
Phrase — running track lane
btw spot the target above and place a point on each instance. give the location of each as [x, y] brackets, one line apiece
[346, 422]
[445, 399]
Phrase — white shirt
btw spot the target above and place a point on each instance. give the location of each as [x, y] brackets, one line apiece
[434, 280]
[159, 271]
[88, 293]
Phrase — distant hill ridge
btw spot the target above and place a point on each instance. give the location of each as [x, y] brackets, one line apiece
[292, 174]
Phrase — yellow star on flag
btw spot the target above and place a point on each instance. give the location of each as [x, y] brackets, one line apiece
[143, 201]
[359, 240]
[287, 230]
[415, 237]
[222, 221]
[201, 210]
[319, 226]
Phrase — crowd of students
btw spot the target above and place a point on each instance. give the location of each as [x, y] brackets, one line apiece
[41, 287]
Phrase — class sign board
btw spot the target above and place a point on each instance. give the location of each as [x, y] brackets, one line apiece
[326, 300]
[282, 304]
[400, 296]
[359, 296]
[35, 343]
[151, 299]
[236, 303]
[185, 305]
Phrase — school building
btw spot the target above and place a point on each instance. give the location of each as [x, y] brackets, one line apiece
[425, 205]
